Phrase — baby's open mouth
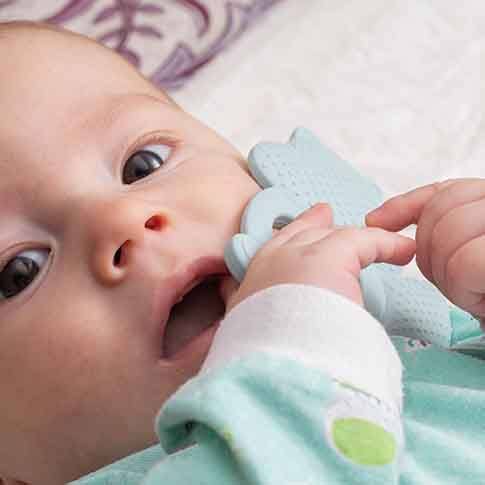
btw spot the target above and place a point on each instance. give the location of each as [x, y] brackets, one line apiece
[199, 309]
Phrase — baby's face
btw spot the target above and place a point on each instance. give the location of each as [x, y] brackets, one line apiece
[113, 203]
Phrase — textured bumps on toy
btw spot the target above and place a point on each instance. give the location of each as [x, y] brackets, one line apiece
[296, 175]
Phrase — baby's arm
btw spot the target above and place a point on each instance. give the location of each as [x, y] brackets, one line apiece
[450, 236]
[301, 385]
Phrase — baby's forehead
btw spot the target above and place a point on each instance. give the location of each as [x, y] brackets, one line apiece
[24, 37]
[40, 55]
[43, 91]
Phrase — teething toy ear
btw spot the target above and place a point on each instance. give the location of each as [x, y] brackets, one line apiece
[269, 209]
[294, 176]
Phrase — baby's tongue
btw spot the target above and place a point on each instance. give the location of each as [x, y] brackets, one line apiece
[199, 309]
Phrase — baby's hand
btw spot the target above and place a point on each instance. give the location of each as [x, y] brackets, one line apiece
[450, 236]
[311, 251]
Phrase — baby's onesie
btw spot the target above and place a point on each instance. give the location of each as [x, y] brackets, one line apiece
[303, 387]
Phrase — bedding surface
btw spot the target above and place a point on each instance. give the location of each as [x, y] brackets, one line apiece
[395, 87]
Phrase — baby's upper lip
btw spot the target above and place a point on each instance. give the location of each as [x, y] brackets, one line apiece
[181, 283]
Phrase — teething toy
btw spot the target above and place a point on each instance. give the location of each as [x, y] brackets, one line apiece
[295, 176]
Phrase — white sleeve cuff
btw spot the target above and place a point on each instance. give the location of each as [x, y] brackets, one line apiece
[318, 328]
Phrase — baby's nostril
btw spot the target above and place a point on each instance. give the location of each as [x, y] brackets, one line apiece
[117, 257]
[154, 223]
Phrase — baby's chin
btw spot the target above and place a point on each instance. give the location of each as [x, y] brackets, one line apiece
[193, 321]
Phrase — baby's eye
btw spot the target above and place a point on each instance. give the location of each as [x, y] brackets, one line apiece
[20, 271]
[143, 162]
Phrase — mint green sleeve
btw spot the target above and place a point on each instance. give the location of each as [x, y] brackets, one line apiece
[272, 421]
[283, 403]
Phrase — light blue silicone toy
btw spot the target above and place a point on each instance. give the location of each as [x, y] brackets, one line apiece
[302, 172]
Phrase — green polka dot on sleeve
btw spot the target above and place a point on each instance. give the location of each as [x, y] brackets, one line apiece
[363, 442]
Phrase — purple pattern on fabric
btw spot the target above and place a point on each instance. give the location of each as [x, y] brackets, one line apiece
[127, 10]
[182, 63]
[70, 10]
[120, 22]
[200, 14]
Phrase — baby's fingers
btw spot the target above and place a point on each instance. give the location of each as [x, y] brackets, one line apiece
[380, 246]
[373, 245]
[405, 209]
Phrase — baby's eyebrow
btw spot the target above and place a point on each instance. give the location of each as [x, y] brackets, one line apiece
[113, 116]
[110, 116]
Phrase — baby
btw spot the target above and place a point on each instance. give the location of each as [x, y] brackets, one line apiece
[97, 250]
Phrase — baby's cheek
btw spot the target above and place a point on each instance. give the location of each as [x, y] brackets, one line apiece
[55, 356]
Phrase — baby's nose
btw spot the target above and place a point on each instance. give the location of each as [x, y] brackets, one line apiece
[117, 229]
